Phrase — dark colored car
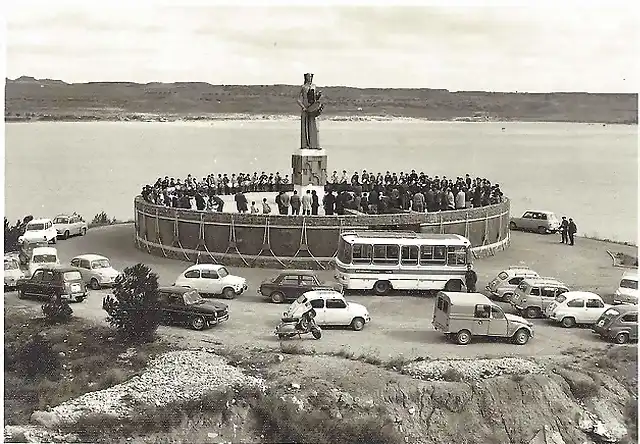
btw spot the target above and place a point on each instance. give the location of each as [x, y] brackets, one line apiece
[618, 324]
[48, 281]
[290, 285]
[185, 306]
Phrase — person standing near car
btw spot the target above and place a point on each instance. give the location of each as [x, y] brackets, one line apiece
[471, 279]
[572, 229]
[564, 228]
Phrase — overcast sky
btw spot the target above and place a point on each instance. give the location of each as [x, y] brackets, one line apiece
[459, 48]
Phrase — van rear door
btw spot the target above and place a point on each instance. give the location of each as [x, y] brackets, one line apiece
[441, 313]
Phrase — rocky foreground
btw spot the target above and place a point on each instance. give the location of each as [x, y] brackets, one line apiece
[505, 400]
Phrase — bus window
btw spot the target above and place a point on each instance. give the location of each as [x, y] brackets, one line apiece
[344, 252]
[456, 255]
[431, 255]
[409, 255]
[361, 254]
[386, 254]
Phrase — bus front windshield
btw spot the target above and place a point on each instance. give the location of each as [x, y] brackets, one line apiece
[344, 251]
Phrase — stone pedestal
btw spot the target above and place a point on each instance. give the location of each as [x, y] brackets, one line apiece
[309, 172]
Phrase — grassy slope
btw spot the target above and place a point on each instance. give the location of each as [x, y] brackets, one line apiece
[61, 101]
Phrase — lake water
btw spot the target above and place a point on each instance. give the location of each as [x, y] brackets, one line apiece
[585, 171]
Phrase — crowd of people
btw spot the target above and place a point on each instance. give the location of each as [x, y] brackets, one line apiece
[371, 193]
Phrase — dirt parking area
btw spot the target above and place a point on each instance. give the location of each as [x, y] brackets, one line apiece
[401, 323]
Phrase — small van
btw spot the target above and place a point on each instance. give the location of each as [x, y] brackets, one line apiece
[627, 292]
[464, 315]
[505, 283]
[534, 295]
[619, 324]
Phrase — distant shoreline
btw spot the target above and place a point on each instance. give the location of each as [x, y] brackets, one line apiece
[218, 117]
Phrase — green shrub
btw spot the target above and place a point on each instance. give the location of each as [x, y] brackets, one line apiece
[133, 308]
[13, 232]
[102, 219]
[36, 358]
[452, 375]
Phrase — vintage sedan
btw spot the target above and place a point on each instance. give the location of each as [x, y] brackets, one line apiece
[96, 270]
[576, 307]
[67, 226]
[185, 306]
[333, 310]
[212, 279]
[291, 284]
[12, 271]
[53, 280]
[543, 222]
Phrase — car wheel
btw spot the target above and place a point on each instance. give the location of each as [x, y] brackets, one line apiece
[54, 240]
[228, 293]
[463, 337]
[531, 312]
[83, 232]
[521, 337]
[568, 322]
[66, 235]
[454, 285]
[621, 338]
[317, 333]
[94, 284]
[542, 230]
[506, 297]
[80, 299]
[381, 287]
[277, 297]
[512, 226]
[357, 324]
[198, 323]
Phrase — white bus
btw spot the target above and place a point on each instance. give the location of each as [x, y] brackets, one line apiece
[381, 261]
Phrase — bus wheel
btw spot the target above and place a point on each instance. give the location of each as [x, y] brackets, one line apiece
[382, 287]
[453, 285]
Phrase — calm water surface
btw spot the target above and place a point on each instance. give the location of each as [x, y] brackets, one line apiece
[585, 171]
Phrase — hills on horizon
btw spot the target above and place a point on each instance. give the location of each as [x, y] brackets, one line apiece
[28, 98]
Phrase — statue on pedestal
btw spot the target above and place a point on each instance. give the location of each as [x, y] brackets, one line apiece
[309, 101]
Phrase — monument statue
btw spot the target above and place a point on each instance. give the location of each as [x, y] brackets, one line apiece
[309, 101]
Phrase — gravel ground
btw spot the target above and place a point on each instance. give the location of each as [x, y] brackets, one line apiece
[471, 369]
[174, 376]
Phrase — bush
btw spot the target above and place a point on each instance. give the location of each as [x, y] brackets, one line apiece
[37, 358]
[452, 375]
[133, 308]
[12, 233]
[102, 219]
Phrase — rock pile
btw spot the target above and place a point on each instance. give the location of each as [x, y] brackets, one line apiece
[470, 368]
[171, 377]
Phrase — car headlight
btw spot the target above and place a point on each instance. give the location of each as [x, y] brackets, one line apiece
[524, 300]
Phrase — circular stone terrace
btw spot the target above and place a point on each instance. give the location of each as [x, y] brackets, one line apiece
[287, 241]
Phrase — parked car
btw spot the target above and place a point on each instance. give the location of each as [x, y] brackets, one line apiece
[42, 257]
[627, 292]
[332, 309]
[67, 226]
[47, 281]
[618, 324]
[291, 284]
[12, 272]
[505, 283]
[211, 279]
[96, 270]
[185, 306]
[40, 230]
[534, 295]
[577, 307]
[463, 315]
[543, 222]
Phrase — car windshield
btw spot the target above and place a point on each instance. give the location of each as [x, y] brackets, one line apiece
[35, 227]
[100, 263]
[222, 272]
[628, 283]
[11, 265]
[72, 276]
[44, 258]
[502, 276]
[561, 298]
[193, 298]
[61, 220]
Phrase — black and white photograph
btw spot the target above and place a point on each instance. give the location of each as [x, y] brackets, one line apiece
[355, 222]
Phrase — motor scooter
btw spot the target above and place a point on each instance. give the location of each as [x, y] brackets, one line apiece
[290, 327]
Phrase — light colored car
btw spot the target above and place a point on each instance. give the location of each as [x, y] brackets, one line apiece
[67, 226]
[96, 270]
[534, 295]
[12, 271]
[577, 307]
[332, 309]
[40, 230]
[505, 283]
[543, 222]
[43, 257]
[627, 292]
[212, 279]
